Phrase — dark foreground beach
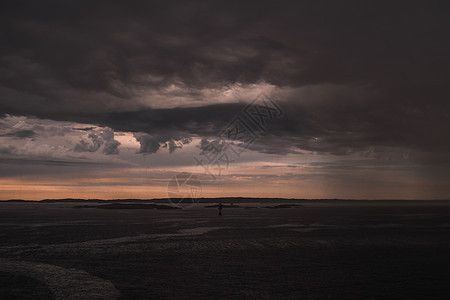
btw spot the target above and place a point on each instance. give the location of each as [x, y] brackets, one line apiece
[319, 250]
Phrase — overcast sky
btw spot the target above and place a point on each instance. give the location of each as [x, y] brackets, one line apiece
[109, 100]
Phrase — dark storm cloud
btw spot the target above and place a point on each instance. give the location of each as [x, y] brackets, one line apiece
[84, 128]
[95, 140]
[148, 143]
[151, 144]
[338, 126]
[92, 144]
[111, 145]
[21, 134]
[173, 144]
[88, 62]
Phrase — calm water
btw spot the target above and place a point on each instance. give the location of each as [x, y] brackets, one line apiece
[316, 251]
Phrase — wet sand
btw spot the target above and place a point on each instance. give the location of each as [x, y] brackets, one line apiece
[319, 250]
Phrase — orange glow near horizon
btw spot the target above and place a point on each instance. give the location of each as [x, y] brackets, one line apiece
[117, 188]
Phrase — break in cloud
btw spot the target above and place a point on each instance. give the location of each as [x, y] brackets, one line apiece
[353, 78]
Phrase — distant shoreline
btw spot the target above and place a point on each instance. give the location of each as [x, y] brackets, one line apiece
[219, 199]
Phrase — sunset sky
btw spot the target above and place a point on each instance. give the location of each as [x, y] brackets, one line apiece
[107, 100]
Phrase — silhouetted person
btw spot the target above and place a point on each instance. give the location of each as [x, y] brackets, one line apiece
[220, 208]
